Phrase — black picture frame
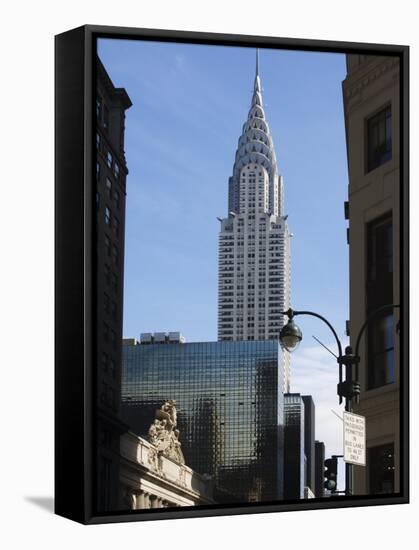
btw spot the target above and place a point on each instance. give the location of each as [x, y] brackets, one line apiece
[75, 52]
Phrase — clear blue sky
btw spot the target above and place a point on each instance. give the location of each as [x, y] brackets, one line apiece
[189, 105]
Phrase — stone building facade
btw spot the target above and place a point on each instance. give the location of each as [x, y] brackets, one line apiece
[154, 474]
[151, 480]
[371, 94]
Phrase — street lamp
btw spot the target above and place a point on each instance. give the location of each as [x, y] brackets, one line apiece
[291, 336]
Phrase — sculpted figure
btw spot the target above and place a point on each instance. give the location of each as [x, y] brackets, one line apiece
[164, 434]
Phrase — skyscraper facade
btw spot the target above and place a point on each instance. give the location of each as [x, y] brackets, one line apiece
[254, 241]
[295, 460]
[111, 173]
[229, 404]
[309, 439]
[319, 468]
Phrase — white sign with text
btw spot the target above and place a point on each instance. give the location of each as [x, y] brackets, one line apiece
[354, 434]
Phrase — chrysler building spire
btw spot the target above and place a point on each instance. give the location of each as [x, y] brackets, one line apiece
[254, 241]
[256, 146]
[257, 80]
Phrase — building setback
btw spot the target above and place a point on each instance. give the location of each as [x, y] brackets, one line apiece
[254, 241]
[371, 95]
[111, 173]
[230, 409]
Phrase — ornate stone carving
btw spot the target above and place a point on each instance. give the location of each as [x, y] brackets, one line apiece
[163, 433]
[153, 460]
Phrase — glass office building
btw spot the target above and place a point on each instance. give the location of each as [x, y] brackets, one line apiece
[230, 409]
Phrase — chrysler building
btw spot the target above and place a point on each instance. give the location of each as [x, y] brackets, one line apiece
[254, 241]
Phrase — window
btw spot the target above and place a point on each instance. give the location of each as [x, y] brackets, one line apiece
[109, 188]
[116, 198]
[98, 107]
[381, 469]
[107, 216]
[109, 159]
[379, 139]
[115, 254]
[105, 117]
[97, 141]
[379, 290]
[116, 169]
[107, 245]
[97, 170]
[381, 357]
[116, 227]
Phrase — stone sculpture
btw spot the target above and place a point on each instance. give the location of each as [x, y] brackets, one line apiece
[163, 432]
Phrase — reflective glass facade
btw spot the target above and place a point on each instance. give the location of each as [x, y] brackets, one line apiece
[230, 409]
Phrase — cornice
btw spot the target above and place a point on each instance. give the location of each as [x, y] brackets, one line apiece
[375, 71]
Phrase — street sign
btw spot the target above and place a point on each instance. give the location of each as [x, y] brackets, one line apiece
[354, 444]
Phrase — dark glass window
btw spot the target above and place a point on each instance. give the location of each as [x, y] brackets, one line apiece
[116, 227]
[116, 198]
[116, 169]
[97, 170]
[97, 141]
[105, 117]
[381, 360]
[109, 159]
[107, 245]
[109, 187]
[107, 216]
[379, 139]
[98, 107]
[381, 469]
[115, 254]
[380, 336]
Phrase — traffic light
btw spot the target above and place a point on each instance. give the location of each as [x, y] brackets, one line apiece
[331, 473]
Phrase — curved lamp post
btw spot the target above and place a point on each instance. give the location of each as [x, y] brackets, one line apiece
[291, 336]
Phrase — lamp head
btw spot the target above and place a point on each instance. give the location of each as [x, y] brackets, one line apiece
[290, 336]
